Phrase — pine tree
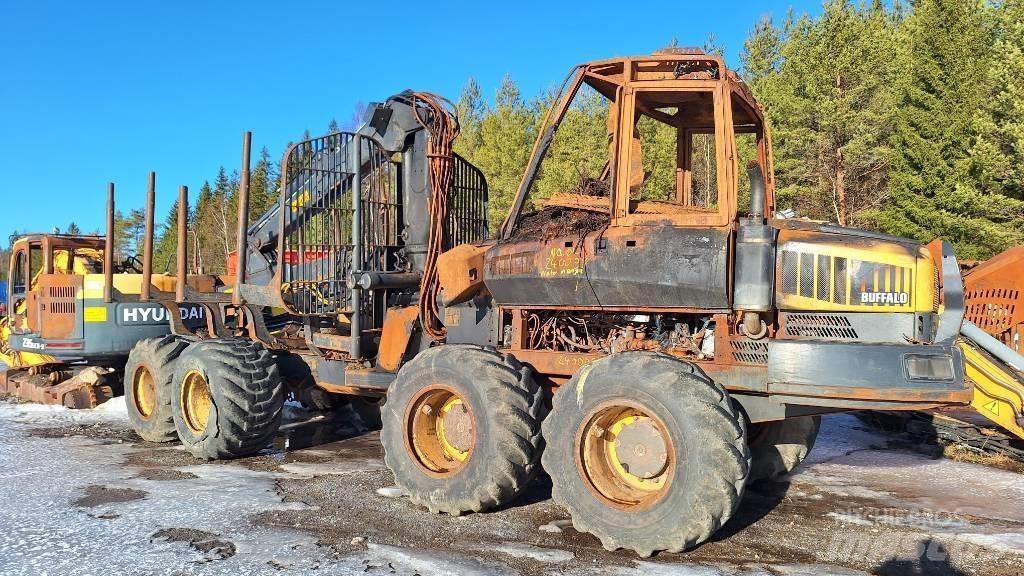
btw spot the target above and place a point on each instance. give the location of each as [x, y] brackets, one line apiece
[203, 238]
[262, 186]
[580, 147]
[470, 109]
[762, 51]
[829, 102]
[997, 158]
[73, 229]
[506, 138]
[933, 194]
[165, 247]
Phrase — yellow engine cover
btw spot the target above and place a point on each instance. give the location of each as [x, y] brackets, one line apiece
[833, 272]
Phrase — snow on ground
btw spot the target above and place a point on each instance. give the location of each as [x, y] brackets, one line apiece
[42, 531]
[954, 500]
[82, 505]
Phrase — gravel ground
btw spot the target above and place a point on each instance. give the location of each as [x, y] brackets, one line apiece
[82, 495]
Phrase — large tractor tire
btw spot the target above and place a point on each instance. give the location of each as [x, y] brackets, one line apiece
[147, 387]
[645, 452]
[227, 398]
[461, 428]
[776, 448]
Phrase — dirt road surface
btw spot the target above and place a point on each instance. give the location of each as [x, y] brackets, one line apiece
[81, 494]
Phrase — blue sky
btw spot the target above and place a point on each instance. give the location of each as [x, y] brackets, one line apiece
[93, 92]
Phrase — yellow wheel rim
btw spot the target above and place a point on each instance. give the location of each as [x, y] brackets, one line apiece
[195, 401]
[450, 450]
[441, 431]
[626, 455]
[144, 392]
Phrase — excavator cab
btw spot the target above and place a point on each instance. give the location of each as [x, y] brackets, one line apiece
[61, 338]
[41, 267]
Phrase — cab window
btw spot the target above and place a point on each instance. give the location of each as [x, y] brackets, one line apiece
[674, 153]
[35, 263]
[18, 284]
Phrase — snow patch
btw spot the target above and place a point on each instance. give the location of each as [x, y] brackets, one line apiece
[850, 519]
[645, 568]
[410, 561]
[345, 466]
[534, 552]
[113, 411]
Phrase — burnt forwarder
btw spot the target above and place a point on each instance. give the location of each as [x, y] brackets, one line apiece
[684, 344]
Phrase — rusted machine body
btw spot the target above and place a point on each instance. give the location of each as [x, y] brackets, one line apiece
[994, 290]
[670, 329]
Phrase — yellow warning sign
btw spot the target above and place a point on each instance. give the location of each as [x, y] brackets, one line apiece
[992, 407]
[95, 314]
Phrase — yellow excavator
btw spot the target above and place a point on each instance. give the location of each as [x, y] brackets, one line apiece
[73, 315]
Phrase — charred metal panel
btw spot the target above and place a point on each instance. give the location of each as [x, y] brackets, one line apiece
[539, 274]
[656, 266]
[661, 266]
[472, 322]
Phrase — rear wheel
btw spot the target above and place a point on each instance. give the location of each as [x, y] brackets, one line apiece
[645, 452]
[776, 448]
[147, 387]
[227, 398]
[462, 428]
[369, 410]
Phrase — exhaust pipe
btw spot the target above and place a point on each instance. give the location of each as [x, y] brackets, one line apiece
[758, 196]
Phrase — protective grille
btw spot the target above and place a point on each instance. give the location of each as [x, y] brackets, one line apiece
[749, 351]
[467, 207]
[992, 310]
[823, 326]
[317, 205]
[318, 214]
[60, 299]
[842, 281]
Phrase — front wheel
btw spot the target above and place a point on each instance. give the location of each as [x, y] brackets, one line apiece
[645, 452]
[462, 428]
[227, 398]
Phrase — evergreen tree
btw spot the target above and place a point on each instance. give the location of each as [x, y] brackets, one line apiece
[73, 229]
[580, 147]
[203, 241]
[165, 248]
[506, 138]
[762, 52]
[262, 186]
[470, 109]
[997, 158]
[933, 194]
[829, 101]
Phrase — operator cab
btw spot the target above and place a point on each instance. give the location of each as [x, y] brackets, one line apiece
[678, 133]
[36, 255]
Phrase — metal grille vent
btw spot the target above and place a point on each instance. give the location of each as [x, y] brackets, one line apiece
[819, 326]
[749, 351]
[467, 206]
[841, 281]
[992, 310]
[60, 299]
[61, 291]
[61, 308]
